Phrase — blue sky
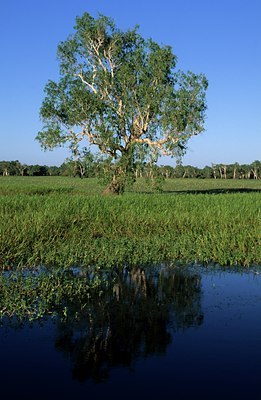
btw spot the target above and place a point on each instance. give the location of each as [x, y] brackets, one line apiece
[221, 38]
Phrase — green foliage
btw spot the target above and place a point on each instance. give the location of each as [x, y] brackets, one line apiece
[121, 92]
[36, 294]
[67, 223]
[86, 164]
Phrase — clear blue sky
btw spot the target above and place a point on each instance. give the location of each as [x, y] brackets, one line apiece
[221, 38]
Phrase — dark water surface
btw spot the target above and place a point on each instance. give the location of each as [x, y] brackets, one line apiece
[169, 332]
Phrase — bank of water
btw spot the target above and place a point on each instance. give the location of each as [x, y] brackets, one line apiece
[166, 331]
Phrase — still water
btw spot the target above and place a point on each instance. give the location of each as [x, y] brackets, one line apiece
[168, 331]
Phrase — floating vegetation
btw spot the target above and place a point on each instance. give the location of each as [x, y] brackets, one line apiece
[30, 295]
[81, 296]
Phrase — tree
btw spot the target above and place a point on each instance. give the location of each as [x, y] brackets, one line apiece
[37, 170]
[234, 169]
[84, 161]
[179, 171]
[53, 170]
[4, 168]
[255, 169]
[21, 168]
[121, 93]
[69, 168]
[206, 173]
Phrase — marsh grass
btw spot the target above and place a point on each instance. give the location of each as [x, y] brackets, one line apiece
[14, 185]
[62, 222]
[30, 295]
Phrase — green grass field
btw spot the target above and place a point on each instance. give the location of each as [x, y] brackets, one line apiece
[58, 221]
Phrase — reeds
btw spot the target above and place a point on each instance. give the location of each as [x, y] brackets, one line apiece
[57, 223]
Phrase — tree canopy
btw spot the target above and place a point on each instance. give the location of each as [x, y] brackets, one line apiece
[123, 94]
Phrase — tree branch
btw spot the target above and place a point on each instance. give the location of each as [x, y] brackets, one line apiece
[157, 144]
[90, 85]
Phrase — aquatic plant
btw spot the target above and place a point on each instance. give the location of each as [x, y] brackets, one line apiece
[34, 294]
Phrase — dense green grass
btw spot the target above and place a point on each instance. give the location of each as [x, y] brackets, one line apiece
[61, 185]
[65, 221]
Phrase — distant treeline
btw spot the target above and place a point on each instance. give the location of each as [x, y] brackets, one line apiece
[91, 167]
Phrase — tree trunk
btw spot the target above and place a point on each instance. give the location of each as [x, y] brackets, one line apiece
[82, 171]
[225, 171]
[254, 171]
[114, 188]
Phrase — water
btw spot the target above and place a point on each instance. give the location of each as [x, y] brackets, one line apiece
[175, 332]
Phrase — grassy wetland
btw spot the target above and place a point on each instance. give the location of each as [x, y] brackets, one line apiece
[62, 222]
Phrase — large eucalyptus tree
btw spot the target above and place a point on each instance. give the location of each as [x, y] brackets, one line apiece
[121, 93]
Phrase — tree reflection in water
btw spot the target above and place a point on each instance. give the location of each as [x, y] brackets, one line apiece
[135, 317]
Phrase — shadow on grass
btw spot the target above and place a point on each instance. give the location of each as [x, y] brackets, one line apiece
[46, 191]
[205, 191]
[36, 192]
